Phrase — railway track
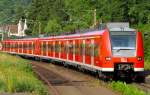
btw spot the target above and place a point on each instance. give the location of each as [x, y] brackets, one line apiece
[68, 82]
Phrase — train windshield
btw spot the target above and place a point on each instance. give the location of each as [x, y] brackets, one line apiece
[123, 42]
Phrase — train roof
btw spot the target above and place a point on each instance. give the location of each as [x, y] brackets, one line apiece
[80, 34]
[115, 27]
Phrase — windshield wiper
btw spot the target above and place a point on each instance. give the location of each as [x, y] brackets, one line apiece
[124, 49]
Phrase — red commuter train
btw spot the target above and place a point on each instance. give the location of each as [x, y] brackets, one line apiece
[112, 51]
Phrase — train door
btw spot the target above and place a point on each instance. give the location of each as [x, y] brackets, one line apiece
[53, 50]
[50, 48]
[7, 46]
[10, 47]
[70, 50]
[43, 48]
[24, 47]
[17, 46]
[38, 47]
[30, 47]
[21, 46]
[4, 47]
[13, 46]
[63, 50]
[57, 49]
[97, 53]
[33, 47]
[88, 50]
[79, 51]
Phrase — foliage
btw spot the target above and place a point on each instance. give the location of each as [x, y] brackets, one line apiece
[78, 14]
[70, 14]
[52, 26]
[17, 76]
[12, 10]
[127, 89]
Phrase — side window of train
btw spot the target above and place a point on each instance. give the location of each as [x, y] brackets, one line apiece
[6, 44]
[81, 48]
[88, 48]
[24, 46]
[77, 48]
[3, 44]
[50, 46]
[66, 47]
[44, 46]
[96, 49]
[62, 47]
[97, 46]
[16, 45]
[70, 46]
[57, 49]
[19, 44]
[32, 45]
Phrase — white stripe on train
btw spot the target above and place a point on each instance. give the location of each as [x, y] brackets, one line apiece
[92, 67]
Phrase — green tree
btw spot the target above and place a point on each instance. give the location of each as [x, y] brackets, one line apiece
[53, 27]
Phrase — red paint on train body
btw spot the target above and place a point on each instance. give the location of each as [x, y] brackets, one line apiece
[93, 50]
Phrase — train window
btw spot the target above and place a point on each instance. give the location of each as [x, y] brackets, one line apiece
[7, 45]
[10, 45]
[96, 50]
[77, 48]
[20, 45]
[88, 48]
[50, 47]
[4, 44]
[44, 46]
[70, 46]
[24, 46]
[57, 47]
[30, 46]
[62, 47]
[82, 49]
[66, 48]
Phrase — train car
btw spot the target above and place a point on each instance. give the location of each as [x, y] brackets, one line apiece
[112, 51]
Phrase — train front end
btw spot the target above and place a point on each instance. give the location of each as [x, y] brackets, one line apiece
[124, 53]
[127, 52]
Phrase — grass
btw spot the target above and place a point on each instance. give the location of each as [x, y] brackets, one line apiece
[127, 89]
[16, 75]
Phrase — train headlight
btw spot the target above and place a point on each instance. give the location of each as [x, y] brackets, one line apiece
[108, 58]
[139, 58]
